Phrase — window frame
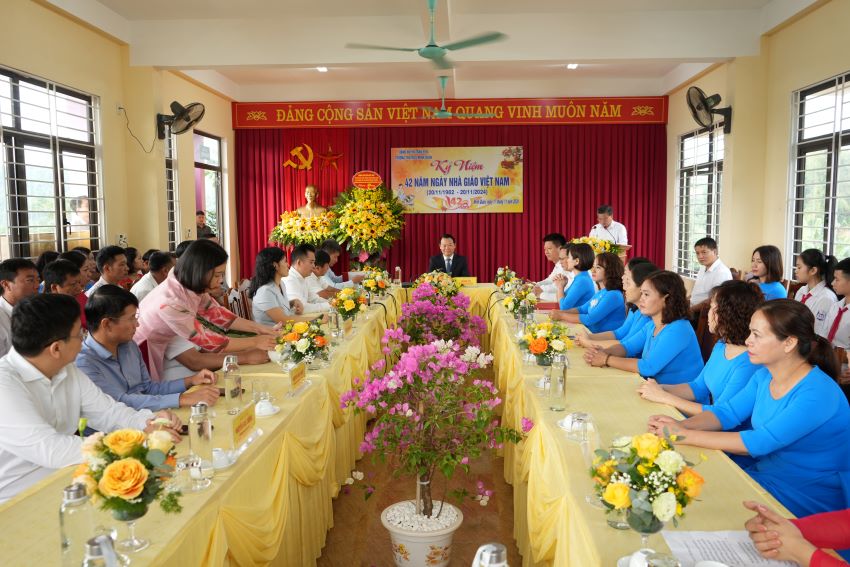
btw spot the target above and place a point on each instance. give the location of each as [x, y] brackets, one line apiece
[832, 144]
[219, 169]
[15, 140]
[684, 261]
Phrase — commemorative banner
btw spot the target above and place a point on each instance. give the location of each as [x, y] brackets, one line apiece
[340, 114]
[458, 180]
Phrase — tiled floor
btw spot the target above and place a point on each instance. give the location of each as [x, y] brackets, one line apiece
[358, 538]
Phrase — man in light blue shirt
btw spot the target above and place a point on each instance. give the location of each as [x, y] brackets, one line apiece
[333, 249]
[113, 361]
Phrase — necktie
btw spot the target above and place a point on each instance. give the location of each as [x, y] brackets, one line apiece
[834, 329]
[806, 298]
[448, 265]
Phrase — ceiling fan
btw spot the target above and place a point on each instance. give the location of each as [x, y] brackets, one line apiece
[443, 113]
[437, 53]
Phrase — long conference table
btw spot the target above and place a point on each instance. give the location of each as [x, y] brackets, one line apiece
[274, 505]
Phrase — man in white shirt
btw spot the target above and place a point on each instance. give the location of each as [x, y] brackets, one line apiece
[712, 272]
[112, 265]
[19, 280]
[319, 282]
[606, 228]
[334, 250]
[159, 264]
[546, 289]
[303, 261]
[43, 395]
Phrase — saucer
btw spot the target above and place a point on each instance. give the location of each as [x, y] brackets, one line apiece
[274, 412]
[224, 462]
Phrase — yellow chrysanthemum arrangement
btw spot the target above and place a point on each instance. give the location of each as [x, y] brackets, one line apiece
[598, 244]
[294, 229]
[376, 280]
[367, 220]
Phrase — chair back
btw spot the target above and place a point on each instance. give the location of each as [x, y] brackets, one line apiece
[704, 337]
[236, 303]
[246, 302]
[736, 274]
[793, 287]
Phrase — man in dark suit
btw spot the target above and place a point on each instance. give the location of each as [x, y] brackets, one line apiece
[447, 261]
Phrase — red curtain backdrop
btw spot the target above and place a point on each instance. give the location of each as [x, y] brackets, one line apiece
[568, 172]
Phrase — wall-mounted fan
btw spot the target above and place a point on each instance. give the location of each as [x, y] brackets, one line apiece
[436, 53]
[704, 107]
[443, 113]
[182, 120]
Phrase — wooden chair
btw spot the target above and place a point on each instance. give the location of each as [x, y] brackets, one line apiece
[246, 302]
[792, 286]
[237, 304]
[736, 274]
[704, 337]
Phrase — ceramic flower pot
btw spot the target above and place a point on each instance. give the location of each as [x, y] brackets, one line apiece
[416, 547]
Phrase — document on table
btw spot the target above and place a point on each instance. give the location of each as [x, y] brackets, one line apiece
[734, 548]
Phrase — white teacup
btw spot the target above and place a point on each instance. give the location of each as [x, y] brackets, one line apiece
[264, 407]
[275, 356]
[639, 558]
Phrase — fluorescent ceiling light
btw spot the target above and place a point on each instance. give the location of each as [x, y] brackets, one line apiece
[572, 66]
[322, 69]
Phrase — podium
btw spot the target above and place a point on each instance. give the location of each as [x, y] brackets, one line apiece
[624, 252]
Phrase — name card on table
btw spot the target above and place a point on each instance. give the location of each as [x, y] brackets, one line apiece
[347, 326]
[462, 281]
[243, 424]
[297, 374]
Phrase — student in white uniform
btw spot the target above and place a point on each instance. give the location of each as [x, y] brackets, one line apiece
[546, 289]
[814, 269]
[606, 228]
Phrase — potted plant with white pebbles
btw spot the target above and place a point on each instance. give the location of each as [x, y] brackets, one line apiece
[432, 415]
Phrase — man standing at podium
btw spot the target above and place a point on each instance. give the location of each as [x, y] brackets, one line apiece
[447, 261]
[607, 228]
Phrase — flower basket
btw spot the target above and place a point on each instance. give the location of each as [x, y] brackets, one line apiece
[303, 341]
[367, 220]
[349, 302]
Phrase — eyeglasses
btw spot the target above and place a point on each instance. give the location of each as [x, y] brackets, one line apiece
[134, 318]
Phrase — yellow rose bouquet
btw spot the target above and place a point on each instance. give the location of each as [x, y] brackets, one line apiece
[521, 300]
[545, 340]
[376, 281]
[647, 478]
[442, 283]
[349, 302]
[599, 245]
[295, 229]
[303, 341]
[126, 470]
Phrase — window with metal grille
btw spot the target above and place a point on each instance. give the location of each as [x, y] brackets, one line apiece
[172, 199]
[820, 186]
[50, 180]
[700, 174]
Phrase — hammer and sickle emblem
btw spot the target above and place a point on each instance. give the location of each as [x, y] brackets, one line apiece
[304, 162]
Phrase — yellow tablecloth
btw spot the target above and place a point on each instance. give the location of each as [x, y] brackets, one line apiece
[272, 507]
[553, 524]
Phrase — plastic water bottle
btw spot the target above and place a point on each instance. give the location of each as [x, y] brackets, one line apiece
[397, 275]
[76, 523]
[201, 468]
[100, 552]
[232, 384]
[491, 555]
